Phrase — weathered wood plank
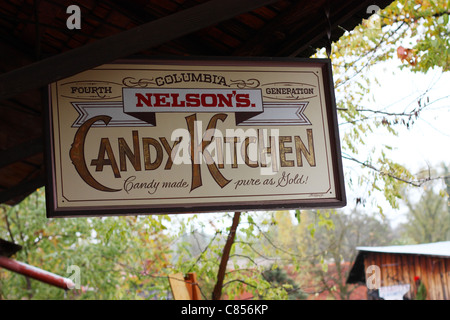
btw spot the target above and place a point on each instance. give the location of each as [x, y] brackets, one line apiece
[385, 270]
[435, 263]
[192, 286]
[424, 276]
[445, 272]
[396, 269]
[178, 286]
[408, 277]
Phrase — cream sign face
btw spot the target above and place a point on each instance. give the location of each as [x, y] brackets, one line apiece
[169, 136]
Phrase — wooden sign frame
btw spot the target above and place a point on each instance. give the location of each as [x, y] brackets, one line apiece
[292, 97]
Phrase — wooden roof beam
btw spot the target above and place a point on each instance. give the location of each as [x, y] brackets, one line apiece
[21, 152]
[23, 189]
[273, 29]
[123, 44]
[339, 14]
[296, 43]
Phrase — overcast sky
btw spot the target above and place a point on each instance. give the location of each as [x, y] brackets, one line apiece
[427, 142]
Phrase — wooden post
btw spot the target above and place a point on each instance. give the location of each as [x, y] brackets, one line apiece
[184, 288]
[178, 286]
[217, 293]
[192, 286]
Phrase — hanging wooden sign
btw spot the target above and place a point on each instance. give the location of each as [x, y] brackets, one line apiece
[172, 136]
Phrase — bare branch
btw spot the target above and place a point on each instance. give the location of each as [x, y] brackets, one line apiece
[204, 250]
[415, 183]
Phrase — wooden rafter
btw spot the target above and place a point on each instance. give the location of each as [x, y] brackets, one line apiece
[283, 28]
[300, 40]
[21, 151]
[122, 44]
[263, 38]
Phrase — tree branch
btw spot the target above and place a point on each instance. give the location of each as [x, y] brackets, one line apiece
[8, 227]
[217, 293]
[204, 250]
[416, 183]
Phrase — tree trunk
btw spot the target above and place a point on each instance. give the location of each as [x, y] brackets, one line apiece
[217, 293]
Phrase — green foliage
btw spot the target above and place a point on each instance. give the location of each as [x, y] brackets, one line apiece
[245, 272]
[119, 258]
[428, 219]
[421, 292]
[334, 242]
[417, 33]
[279, 277]
[131, 257]
[432, 40]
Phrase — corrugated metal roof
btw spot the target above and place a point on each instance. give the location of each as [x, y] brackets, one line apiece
[431, 249]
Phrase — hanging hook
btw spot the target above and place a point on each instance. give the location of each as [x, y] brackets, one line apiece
[327, 15]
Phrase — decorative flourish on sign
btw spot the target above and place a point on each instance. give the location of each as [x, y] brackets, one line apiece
[241, 84]
[133, 82]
